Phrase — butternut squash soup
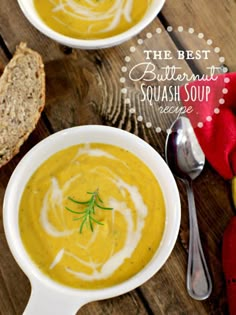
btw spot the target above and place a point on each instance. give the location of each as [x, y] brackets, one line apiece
[91, 19]
[92, 216]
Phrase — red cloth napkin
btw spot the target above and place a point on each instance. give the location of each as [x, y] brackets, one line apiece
[217, 136]
[214, 122]
[229, 263]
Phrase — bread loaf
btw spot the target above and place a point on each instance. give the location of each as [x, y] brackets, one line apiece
[22, 99]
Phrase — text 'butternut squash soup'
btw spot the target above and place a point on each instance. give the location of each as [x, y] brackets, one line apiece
[92, 216]
[91, 19]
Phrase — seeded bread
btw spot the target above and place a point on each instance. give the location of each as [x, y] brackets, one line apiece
[22, 99]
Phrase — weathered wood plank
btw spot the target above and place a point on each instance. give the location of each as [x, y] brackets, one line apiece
[83, 87]
[14, 284]
[7, 305]
[125, 304]
[167, 283]
[215, 19]
[23, 31]
[15, 287]
[3, 60]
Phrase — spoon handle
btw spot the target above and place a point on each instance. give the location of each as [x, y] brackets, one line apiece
[199, 284]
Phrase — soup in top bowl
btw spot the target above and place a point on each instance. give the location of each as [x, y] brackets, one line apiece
[92, 216]
[91, 19]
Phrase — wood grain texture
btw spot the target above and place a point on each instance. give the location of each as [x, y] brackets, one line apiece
[14, 286]
[83, 88]
[167, 283]
[17, 29]
[3, 60]
[215, 19]
[128, 303]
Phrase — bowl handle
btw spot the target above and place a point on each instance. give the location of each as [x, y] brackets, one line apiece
[46, 301]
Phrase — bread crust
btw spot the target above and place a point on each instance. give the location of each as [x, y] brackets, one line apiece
[22, 50]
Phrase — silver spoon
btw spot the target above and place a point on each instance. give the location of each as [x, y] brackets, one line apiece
[186, 160]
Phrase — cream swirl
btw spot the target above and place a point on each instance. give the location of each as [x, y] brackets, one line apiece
[89, 12]
[53, 201]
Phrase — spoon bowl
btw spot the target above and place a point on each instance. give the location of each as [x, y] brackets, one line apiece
[183, 152]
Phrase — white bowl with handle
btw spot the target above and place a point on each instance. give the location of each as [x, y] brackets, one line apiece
[47, 296]
[28, 8]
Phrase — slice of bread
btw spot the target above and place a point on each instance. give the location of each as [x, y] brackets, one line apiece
[22, 99]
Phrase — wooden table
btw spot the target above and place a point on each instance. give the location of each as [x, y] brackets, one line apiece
[83, 88]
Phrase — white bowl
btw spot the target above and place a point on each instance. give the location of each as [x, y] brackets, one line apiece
[49, 297]
[27, 6]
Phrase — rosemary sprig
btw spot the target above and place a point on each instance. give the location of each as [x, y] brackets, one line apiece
[87, 215]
